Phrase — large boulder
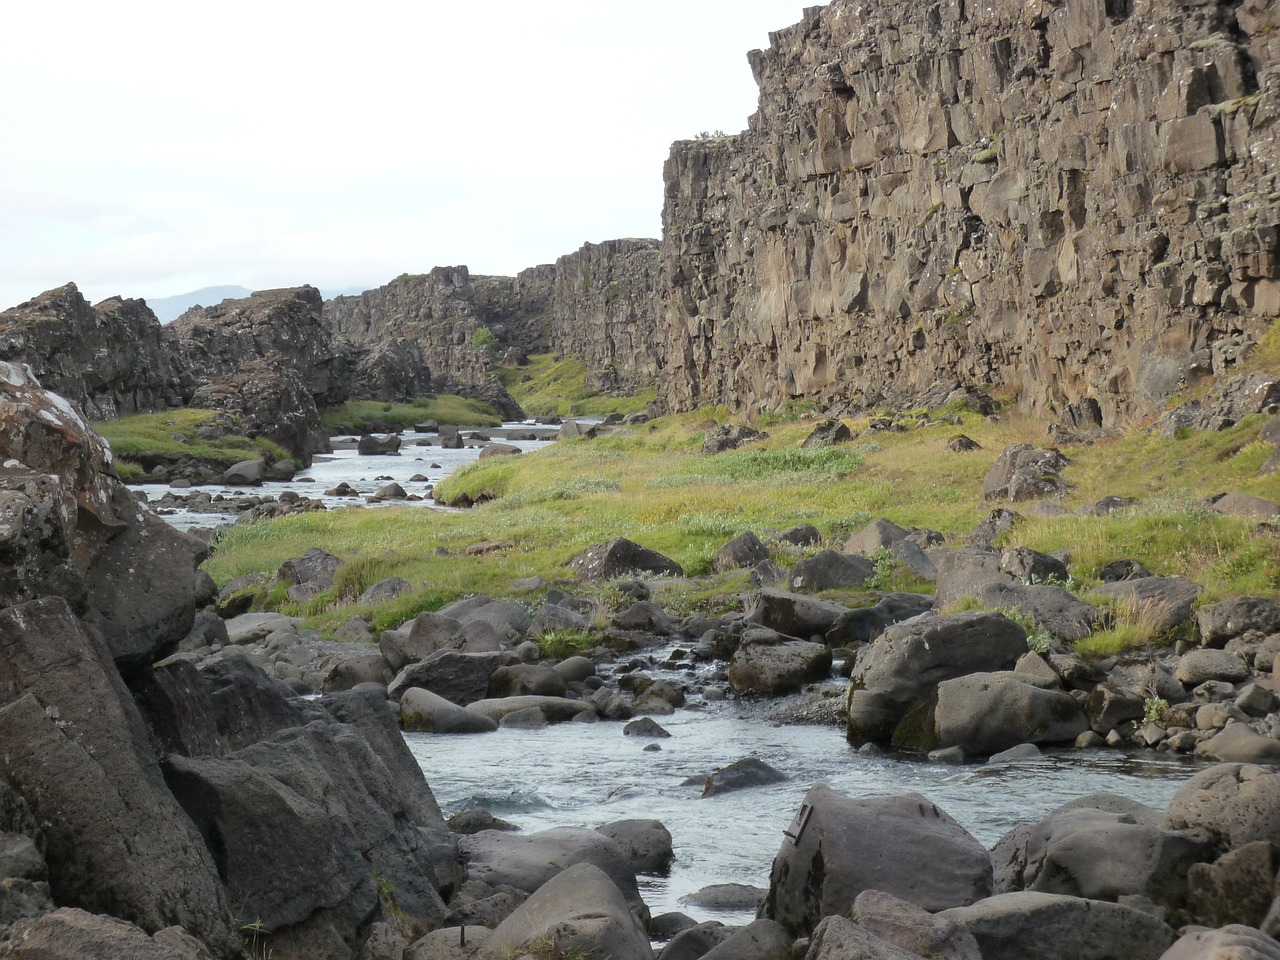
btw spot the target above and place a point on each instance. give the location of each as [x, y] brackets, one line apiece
[425, 712]
[777, 668]
[1047, 926]
[1239, 743]
[839, 846]
[528, 860]
[744, 550]
[1025, 473]
[303, 823]
[510, 620]
[77, 751]
[646, 842]
[1235, 803]
[829, 570]
[73, 934]
[837, 938]
[912, 928]
[577, 912]
[794, 614]
[461, 678]
[1103, 848]
[984, 713]
[965, 573]
[729, 437]
[622, 557]
[1232, 942]
[1055, 610]
[864, 624]
[1228, 619]
[901, 669]
[425, 634]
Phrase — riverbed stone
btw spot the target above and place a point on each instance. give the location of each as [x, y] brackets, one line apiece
[758, 940]
[555, 709]
[772, 669]
[526, 679]
[427, 712]
[901, 669]
[1046, 926]
[734, 897]
[1238, 743]
[840, 846]
[461, 678]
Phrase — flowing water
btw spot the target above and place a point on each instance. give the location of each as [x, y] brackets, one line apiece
[587, 775]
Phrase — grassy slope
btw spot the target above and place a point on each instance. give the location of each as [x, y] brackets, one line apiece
[547, 386]
[176, 433]
[653, 485]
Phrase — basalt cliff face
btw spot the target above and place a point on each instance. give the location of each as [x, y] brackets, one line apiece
[1075, 200]
[114, 358]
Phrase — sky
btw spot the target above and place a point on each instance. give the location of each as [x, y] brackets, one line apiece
[158, 147]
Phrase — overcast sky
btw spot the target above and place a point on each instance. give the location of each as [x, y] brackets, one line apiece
[153, 148]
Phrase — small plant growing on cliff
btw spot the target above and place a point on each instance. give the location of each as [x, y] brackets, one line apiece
[485, 339]
[711, 135]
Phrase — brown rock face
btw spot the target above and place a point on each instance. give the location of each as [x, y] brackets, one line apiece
[111, 359]
[1076, 199]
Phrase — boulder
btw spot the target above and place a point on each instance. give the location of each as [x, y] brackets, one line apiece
[246, 473]
[744, 550]
[1236, 888]
[390, 491]
[425, 712]
[1047, 926]
[499, 450]
[371, 446]
[528, 860]
[801, 535]
[460, 678]
[741, 775]
[794, 614]
[1246, 507]
[901, 669]
[1055, 610]
[829, 570]
[526, 679]
[734, 897]
[1235, 803]
[964, 573]
[1103, 848]
[758, 940]
[879, 534]
[777, 668]
[985, 713]
[77, 751]
[1025, 473]
[827, 433]
[579, 911]
[622, 557]
[1227, 619]
[1031, 566]
[1232, 942]
[646, 842]
[1237, 743]
[555, 709]
[316, 566]
[72, 934]
[864, 624]
[837, 938]
[383, 590]
[510, 620]
[413, 642]
[905, 925]
[839, 846]
[1167, 601]
[721, 439]
[1199, 666]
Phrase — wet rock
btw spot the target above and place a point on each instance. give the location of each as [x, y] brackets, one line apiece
[741, 775]
[617, 558]
[987, 712]
[646, 842]
[555, 709]
[391, 491]
[473, 821]
[371, 446]
[644, 727]
[838, 847]
[735, 897]
[426, 712]
[499, 450]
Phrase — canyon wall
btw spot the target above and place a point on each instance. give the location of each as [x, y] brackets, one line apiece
[1070, 200]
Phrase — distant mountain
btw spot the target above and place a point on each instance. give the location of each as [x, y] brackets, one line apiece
[170, 308]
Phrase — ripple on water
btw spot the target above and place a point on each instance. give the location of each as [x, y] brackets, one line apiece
[590, 774]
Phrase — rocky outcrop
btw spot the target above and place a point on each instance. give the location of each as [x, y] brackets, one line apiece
[443, 313]
[111, 359]
[1075, 200]
[268, 363]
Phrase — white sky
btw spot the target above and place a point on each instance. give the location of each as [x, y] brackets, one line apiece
[153, 148]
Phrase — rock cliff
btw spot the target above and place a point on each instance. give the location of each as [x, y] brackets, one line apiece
[1073, 200]
[112, 359]
[269, 363]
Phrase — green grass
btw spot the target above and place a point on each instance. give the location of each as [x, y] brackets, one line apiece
[550, 387]
[368, 416]
[149, 437]
[653, 485]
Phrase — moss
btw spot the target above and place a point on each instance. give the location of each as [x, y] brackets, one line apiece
[916, 732]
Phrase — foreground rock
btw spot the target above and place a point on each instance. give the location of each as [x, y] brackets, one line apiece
[838, 846]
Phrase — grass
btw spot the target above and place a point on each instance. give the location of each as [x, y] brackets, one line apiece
[369, 416]
[548, 386]
[653, 485]
[145, 439]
